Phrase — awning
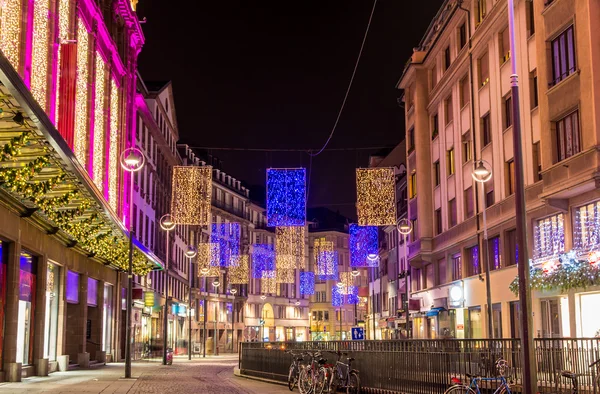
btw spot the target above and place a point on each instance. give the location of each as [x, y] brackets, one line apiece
[434, 311]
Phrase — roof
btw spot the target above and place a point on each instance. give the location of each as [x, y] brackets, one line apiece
[324, 219]
[156, 86]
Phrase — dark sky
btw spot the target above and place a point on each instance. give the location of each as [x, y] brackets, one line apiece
[272, 74]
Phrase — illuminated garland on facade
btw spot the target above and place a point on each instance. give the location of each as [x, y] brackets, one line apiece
[263, 260]
[586, 233]
[307, 283]
[376, 196]
[364, 241]
[289, 248]
[39, 56]
[191, 195]
[239, 274]
[113, 153]
[10, 31]
[549, 237]
[80, 143]
[64, 17]
[99, 124]
[208, 259]
[286, 197]
[13, 147]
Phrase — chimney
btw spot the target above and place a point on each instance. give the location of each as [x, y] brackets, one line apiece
[239, 185]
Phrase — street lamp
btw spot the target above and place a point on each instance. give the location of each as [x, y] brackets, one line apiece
[482, 172]
[132, 160]
[216, 285]
[405, 227]
[167, 224]
[190, 253]
[203, 272]
[233, 292]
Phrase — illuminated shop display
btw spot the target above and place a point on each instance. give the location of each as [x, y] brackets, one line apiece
[376, 196]
[286, 197]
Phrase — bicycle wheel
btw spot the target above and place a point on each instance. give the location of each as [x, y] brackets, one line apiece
[292, 377]
[320, 381]
[353, 383]
[460, 389]
[305, 381]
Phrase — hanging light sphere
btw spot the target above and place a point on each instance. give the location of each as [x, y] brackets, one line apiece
[132, 159]
[191, 252]
[167, 223]
[233, 291]
[216, 283]
[340, 284]
[263, 297]
[204, 271]
[297, 302]
[372, 257]
[355, 273]
[404, 226]
[482, 171]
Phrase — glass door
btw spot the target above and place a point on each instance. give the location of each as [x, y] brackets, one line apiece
[51, 324]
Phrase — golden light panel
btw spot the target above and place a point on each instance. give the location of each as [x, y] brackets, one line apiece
[80, 142]
[113, 154]
[320, 245]
[10, 31]
[207, 253]
[376, 196]
[348, 280]
[285, 276]
[191, 195]
[240, 273]
[39, 55]
[99, 124]
[268, 285]
[289, 247]
[64, 10]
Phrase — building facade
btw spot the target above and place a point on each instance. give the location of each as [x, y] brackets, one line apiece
[458, 111]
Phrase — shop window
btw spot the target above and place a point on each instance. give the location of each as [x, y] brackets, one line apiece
[497, 320]
[92, 292]
[549, 236]
[52, 298]
[494, 253]
[568, 142]
[586, 231]
[475, 323]
[563, 56]
[25, 323]
[72, 290]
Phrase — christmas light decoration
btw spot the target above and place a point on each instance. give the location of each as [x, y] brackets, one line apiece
[239, 274]
[80, 142]
[285, 276]
[208, 259]
[475, 260]
[191, 195]
[347, 280]
[64, 18]
[286, 197]
[549, 237]
[10, 31]
[352, 297]
[364, 241]
[13, 147]
[263, 260]
[586, 232]
[268, 285]
[307, 283]
[39, 53]
[289, 248]
[227, 235]
[337, 298]
[362, 301]
[496, 257]
[376, 196]
[99, 124]
[113, 153]
[327, 268]
[320, 245]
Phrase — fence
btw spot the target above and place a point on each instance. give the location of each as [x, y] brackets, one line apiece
[427, 366]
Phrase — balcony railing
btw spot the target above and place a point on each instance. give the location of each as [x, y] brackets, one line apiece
[231, 209]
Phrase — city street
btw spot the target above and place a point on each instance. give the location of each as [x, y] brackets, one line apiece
[211, 376]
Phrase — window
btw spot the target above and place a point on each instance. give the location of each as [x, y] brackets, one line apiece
[456, 267]
[504, 46]
[486, 129]
[484, 70]
[534, 89]
[530, 18]
[438, 221]
[586, 232]
[563, 56]
[469, 203]
[411, 140]
[510, 177]
[412, 185]
[480, 12]
[417, 281]
[507, 112]
[430, 275]
[433, 76]
[436, 173]
[473, 263]
[489, 194]
[447, 58]
[413, 234]
[511, 248]
[537, 164]
[493, 253]
[497, 320]
[442, 271]
[452, 218]
[567, 136]
[465, 91]
[462, 35]
[448, 109]
[552, 317]
[435, 126]
[467, 150]
[450, 163]
[549, 235]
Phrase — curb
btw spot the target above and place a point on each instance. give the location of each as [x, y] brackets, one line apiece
[236, 372]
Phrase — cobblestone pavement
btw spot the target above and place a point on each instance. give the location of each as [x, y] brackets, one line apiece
[210, 376]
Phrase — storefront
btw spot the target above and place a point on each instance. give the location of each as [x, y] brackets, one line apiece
[52, 301]
[27, 280]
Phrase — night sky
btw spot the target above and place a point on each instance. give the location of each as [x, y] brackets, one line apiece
[272, 75]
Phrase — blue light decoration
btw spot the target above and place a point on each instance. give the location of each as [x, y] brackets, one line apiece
[327, 265]
[227, 235]
[263, 261]
[286, 197]
[337, 298]
[364, 240]
[352, 297]
[307, 283]
[496, 246]
[475, 260]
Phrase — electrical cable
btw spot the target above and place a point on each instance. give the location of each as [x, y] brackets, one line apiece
[288, 149]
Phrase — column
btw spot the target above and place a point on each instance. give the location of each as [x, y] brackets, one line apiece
[41, 363]
[12, 369]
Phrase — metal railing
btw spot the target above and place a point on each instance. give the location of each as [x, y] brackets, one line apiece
[427, 366]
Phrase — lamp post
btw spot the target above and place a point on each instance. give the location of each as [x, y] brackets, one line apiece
[355, 273]
[233, 292]
[216, 285]
[190, 253]
[482, 172]
[167, 224]
[132, 160]
[372, 257]
[203, 272]
[262, 335]
[405, 227]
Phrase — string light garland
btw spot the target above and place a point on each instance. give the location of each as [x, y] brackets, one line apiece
[39, 53]
[64, 18]
[364, 241]
[239, 274]
[10, 33]
[475, 260]
[307, 283]
[99, 124]
[586, 232]
[289, 248]
[268, 285]
[286, 197]
[376, 196]
[208, 259]
[549, 237]
[80, 142]
[263, 260]
[13, 147]
[191, 195]
[337, 298]
[347, 280]
[285, 276]
[352, 297]
[327, 269]
[227, 235]
[113, 150]
[496, 257]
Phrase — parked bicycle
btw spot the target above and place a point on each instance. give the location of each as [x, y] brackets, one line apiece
[573, 378]
[295, 368]
[312, 377]
[342, 376]
[473, 386]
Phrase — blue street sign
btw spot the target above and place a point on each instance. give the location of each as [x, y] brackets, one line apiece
[358, 333]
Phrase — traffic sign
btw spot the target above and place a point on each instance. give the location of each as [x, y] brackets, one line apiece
[358, 333]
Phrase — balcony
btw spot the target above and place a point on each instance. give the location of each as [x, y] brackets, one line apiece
[231, 209]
